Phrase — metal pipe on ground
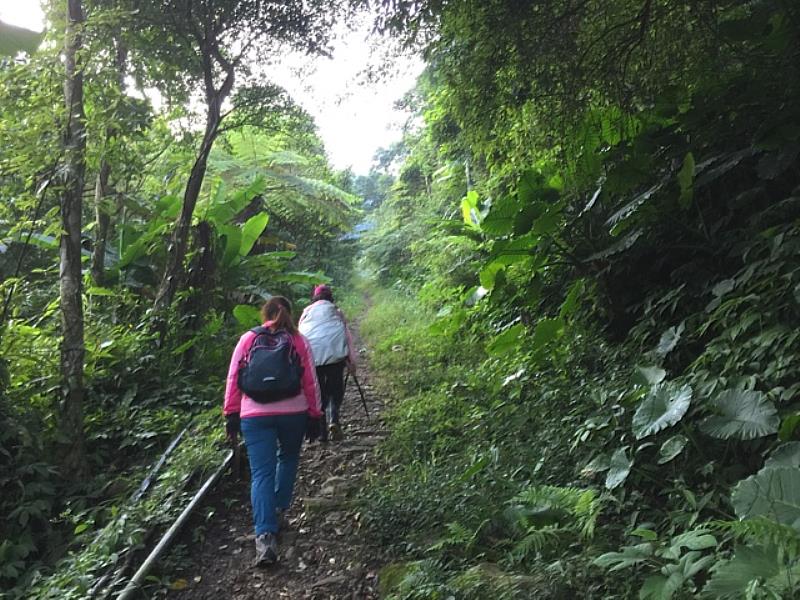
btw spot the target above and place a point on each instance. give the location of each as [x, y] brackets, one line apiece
[113, 571]
[135, 583]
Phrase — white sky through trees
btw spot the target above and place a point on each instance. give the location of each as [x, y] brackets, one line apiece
[355, 117]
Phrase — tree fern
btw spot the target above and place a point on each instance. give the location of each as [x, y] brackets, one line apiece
[296, 189]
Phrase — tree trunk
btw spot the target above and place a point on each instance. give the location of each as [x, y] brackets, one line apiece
[176, 250]
[102, 190]
[72, 346]
[102, 222]
[200, 282]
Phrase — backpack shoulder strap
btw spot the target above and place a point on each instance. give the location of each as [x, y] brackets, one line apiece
[260, 330]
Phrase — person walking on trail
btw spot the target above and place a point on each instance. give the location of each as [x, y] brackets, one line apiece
[325, 327]
[272, 397]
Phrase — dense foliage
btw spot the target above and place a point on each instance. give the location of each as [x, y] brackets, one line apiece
[588, 286]
[269, 212]
[590, 311]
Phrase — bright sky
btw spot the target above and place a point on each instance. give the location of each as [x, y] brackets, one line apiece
[354, 117]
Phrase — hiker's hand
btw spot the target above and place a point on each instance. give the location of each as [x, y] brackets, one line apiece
[351, 368]
[313, 429]
[232, 427]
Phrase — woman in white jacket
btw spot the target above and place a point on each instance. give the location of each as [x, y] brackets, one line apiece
[324, 326]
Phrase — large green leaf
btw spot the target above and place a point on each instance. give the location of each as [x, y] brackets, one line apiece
[648, 375]
[669, 339]
[773, 492]
[305, 277]
[502, 216]
[664, 405]
[251, 231]
[248, 316]
[233, 242]
[742, 414]
[630, 556]
[546, 331]
[469, 209]
[750, 563]
[489, 272]
[671, 448]
[573, 299]
[785, 455]
[507, 341]
[619, 468]
[658, 587]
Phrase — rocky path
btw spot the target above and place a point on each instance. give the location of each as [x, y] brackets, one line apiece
[323, 553]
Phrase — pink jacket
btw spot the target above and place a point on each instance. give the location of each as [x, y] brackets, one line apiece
[308, 400]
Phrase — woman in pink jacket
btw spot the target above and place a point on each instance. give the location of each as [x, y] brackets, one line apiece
[273, 431]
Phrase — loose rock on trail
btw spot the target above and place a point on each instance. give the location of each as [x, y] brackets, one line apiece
[323, 551]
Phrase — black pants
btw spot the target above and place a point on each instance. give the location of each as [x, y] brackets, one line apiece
[331, 384]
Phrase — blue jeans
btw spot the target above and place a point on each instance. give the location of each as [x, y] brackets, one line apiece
[273, 449]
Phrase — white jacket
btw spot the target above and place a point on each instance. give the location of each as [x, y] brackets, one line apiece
[323, 325]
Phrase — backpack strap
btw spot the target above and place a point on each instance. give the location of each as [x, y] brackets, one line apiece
[259, 330]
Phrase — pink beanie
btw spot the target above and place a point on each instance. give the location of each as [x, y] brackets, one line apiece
[321, 289]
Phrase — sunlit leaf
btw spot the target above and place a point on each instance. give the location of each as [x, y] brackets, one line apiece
[663, 406]
[248, 316]
[469, 209]
[100, 291]
[251, 231]
[619, 469]
[669, 339]
[81, 528]
[233, 244]
[179, 584]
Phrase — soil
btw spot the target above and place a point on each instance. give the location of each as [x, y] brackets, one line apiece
[323, 552]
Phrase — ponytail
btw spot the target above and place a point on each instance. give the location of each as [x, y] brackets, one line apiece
[279, 310]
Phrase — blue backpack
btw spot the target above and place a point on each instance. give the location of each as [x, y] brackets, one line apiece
[272, 370]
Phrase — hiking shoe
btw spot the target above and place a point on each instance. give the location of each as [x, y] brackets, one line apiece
[266, 549]
[335, 432]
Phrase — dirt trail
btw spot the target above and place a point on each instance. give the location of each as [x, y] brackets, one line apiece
[323, 553]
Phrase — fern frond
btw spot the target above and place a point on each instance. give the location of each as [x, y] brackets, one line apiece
[764, 532]
[536, 541]
[582, 505]
[562, 497]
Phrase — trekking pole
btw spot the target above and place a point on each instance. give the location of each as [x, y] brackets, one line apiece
[361, 392]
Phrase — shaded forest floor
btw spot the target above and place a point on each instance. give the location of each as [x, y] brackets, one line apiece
[323, 551]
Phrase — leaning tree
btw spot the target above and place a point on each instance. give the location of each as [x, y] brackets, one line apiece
[214, 45]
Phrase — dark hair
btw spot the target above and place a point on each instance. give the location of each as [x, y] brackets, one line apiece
[279, 310]
[326, 294]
